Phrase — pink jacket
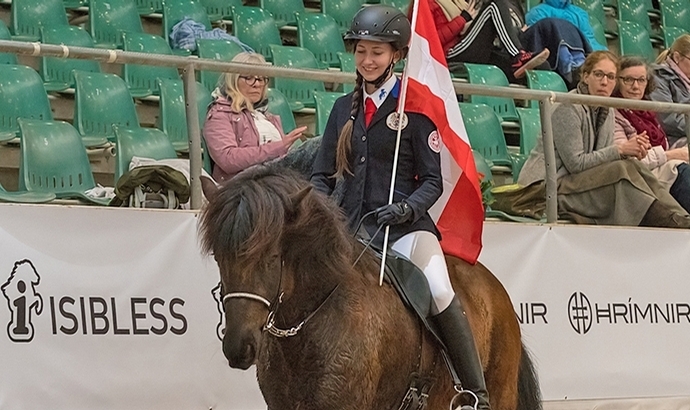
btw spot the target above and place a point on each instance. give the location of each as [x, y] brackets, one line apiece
[233, 140]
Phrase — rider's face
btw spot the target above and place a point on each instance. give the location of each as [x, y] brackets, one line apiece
[373, 57]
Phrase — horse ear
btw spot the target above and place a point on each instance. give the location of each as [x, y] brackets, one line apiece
[297, 198]
[209, 188]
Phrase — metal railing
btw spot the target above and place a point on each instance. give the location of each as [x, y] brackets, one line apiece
[189, 65]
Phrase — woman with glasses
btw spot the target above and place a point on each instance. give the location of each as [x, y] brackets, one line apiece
[239, 132]
[635, 81]
[672, 75]
[600, 182]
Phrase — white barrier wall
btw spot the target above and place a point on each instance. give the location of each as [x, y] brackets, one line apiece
[114, 308]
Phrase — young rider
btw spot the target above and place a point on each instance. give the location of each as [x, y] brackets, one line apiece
[359, 144]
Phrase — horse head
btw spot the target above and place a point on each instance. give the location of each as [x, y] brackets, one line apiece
[265, 228]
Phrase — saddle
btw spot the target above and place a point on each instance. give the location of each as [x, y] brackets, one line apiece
[410, 283]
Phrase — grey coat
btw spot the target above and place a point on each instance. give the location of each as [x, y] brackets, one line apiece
[577, 149]
[670, 88]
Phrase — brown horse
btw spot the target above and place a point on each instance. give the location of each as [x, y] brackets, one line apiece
[322, 332]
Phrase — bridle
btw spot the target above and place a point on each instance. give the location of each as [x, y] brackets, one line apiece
[272, 307]
[269, 325]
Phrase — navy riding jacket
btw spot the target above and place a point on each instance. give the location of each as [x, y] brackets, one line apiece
[418, 179]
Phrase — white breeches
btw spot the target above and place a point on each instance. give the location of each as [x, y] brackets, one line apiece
[424, 250]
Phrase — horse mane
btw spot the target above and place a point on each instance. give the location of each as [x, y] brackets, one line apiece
[270, 208]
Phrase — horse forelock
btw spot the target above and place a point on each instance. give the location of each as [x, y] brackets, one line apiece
[245, 219]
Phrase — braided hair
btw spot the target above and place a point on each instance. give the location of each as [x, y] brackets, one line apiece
[344, 149]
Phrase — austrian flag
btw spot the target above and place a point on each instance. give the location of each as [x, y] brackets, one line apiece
[459, 213]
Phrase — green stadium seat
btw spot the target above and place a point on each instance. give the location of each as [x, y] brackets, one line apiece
[101, 101]
[278, 105]
[491, 75]
[23, 96]
[320, 34]
[173, 116]
[213, 49]
[671, 34]
[141, 142]
[530, 129]
[283, 11]
[25, 197]
[176, 10]
[545, 80]
[634, 40]
[142, 80]
[146, 7]
[57, 72]
[296, 91]
[6, 58]
[220, 9]
[675, 13]
[28, 16]
[256, 28]
[636, 12]
[108, 19]
[347, 64]
[54, 160]
[484, 131]
[342, 11]
[75, 4]
[324, 105]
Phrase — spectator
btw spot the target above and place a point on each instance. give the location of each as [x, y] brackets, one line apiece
[635, 81]
[672, 73]
[239, 132]
[599, 181]
[467, 34]
[564, 9]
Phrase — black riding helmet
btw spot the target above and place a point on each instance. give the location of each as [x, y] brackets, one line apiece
[381, 23]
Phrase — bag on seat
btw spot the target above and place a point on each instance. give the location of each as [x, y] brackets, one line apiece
[152, 186]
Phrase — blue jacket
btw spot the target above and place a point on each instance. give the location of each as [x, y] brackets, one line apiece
[564, 9]
[418, 180]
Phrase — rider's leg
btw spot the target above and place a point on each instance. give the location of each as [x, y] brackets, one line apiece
[424, 250]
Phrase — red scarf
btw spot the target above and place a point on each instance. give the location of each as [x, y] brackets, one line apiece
[647, 121]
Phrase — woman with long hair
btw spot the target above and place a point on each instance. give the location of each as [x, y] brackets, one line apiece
[239, 131]
[672, 77]
[358, 147]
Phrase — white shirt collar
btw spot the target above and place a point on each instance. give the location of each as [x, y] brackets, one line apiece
[380, 94]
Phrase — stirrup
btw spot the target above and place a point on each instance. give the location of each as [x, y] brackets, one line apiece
[461, 392]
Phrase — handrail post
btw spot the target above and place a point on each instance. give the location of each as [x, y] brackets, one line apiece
[545, 108]
[687, 130]
[195, 162]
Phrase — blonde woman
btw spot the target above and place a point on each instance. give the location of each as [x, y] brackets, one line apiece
[672, 75]
[239, 132]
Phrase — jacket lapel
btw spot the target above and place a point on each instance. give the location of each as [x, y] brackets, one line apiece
[386, 108]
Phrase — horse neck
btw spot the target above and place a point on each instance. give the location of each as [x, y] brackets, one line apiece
[317, 258]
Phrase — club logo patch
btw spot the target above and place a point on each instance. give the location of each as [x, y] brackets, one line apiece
[435, 141]
[392, 121]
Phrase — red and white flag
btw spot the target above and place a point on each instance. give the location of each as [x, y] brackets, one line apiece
[459, 213]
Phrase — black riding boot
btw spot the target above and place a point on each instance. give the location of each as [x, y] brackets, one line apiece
[455, 332]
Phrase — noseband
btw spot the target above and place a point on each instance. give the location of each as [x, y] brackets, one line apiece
[272, 307]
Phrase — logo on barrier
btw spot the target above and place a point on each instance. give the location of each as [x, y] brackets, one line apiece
[22, 300]
[88, 315]
[580, 313]
[220, 328]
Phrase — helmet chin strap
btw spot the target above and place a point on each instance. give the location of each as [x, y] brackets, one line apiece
[378, 82]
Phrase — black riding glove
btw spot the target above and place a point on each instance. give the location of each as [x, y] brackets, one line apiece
[393, 214]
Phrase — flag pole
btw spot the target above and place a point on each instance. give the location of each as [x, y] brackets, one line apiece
[401, 110]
